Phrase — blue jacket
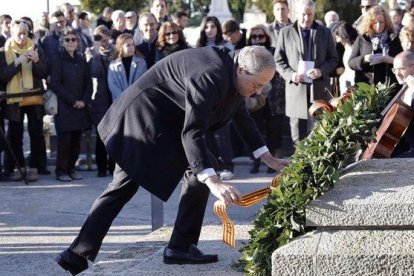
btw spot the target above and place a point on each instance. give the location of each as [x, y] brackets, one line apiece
[117, 80]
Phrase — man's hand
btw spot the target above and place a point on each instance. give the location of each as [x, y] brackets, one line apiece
[79, 105]
[222, 191]
[274, 163]
[298, 78]
[314, 74]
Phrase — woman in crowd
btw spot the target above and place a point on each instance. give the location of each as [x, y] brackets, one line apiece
[268, 108]
[23, 67]
[128, 65]
[211, 34]
[70, 79]
[374, 49]
[170, 39]
[345, 34]
[101, 96]
[407, 38]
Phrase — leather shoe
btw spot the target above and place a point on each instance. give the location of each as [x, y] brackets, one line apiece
[190, 256]
[72, 262]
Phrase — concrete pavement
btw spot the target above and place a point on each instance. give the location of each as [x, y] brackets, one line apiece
[40, 220]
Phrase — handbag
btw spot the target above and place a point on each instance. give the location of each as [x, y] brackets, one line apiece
[51, 103]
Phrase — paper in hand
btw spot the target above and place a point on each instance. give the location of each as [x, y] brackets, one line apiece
[303, 67]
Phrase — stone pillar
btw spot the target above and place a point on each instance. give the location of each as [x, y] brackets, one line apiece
[220, 9]
[253, 16]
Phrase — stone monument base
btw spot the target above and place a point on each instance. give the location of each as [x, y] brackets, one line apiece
[364, 226]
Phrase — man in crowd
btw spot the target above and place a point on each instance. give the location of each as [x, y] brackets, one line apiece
[164, 116]
[305, 56]
[148, 26]
[233, 34]
[160, 11]
[5, 20]
[181, 19]
[365, 6]
[281, 13]
[403, 68]
[50, 43]
[69, 13]
[105, 18]
[85, 38]
[131, 22]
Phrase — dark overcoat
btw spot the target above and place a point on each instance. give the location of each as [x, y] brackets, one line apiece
[71, 81]
[156, 129]
[374, 74]
[101, 96]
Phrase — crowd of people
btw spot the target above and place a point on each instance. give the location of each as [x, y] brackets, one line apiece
[88, 65]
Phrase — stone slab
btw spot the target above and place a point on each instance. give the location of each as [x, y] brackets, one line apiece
[374, 193]
[145, 256]
[357, 253]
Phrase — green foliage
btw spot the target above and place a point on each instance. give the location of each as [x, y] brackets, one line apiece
[97, 6]
[313, 170]
[237, 8]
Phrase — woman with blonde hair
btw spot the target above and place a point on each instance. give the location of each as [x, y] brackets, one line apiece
[374, 49]
[407, 38]
[22, 67]
[128, 65]
[170, 40]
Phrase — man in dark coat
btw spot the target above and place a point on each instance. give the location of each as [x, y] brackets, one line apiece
[155, 131]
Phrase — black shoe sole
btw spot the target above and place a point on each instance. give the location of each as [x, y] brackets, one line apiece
[181, 262]
[66, 266]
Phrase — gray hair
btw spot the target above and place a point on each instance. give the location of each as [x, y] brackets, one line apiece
[256, 59]
[407, 58]
[304, 3]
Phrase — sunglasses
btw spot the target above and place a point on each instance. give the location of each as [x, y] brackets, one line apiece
[260, 36]
[67, 40]
[171, 33]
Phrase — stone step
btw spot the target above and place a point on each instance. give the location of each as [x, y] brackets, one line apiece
[377, 194]
[363, 252]
[145, 256]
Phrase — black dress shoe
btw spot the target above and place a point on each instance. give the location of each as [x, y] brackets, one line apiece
[190, 256]
[72, 262]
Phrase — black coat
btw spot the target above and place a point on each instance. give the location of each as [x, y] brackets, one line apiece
[101, 97]
[71, 81]
[157, 127]
[376, 73]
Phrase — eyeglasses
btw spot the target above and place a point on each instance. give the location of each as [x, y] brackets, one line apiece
[396, 70]
[73, 39]
[365, 7]
[257, 86]
[171, 33]
[260, 36]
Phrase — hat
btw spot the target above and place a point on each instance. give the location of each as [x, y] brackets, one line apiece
[130, 14]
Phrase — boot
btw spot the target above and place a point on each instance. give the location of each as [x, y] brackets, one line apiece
[32, 175]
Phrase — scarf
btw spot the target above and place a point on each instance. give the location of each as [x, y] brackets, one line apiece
[23, 80]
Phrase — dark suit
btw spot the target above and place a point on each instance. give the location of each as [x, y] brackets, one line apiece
[155, 132]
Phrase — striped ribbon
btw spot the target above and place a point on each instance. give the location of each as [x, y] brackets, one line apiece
[245, 201]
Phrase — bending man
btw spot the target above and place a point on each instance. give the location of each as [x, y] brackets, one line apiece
[155, 132]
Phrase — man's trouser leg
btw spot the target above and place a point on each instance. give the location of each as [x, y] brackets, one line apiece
[194, 198]
[104, 210]
[299, 128]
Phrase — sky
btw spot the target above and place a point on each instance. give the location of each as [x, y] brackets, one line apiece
[31, 8]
